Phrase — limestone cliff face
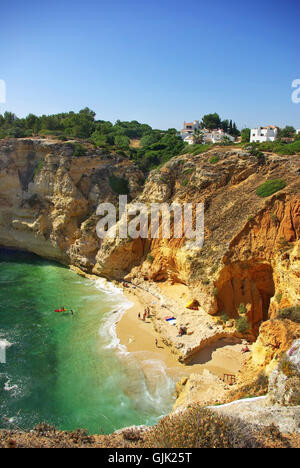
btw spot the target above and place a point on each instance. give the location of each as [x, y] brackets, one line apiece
[49, 197]
[251, 250]
[275, 338]
[251, 253]
[262, 262]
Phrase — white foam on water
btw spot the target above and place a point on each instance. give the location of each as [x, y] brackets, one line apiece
[8, 387]
[160, 384]
[4, 344]
[14, 389]
[119, 304]
[152, 388]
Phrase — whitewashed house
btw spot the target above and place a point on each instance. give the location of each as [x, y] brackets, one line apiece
[262, 134]
[297, 131]
[189, 128]
[209, 136]
[189, 139]
[218, 135]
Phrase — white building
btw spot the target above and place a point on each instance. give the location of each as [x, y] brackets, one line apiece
[216, 136]
[297, 131]
[209, 136]
[189, 128]
[262, 134]
[189, 139]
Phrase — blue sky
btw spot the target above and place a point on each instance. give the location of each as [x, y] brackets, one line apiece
[159, 62]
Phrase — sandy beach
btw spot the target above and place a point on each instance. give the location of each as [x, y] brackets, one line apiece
[223, 356]
[139, 337]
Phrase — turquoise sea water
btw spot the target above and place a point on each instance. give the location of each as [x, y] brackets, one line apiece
[69, 370]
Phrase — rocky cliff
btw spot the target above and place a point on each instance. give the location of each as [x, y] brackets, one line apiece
[251, 253]
[251, 250]
[49, 197]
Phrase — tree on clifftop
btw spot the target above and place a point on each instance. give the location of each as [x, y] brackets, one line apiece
[211, 121]
[245, 133]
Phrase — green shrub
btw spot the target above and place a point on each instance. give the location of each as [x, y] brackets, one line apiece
[150, 258]
[278, 298]
[275, 147]
[188, 171]
[215, 292]
[224, 318]
[242, 309]
[291, 313]
[38, 168]
[242, 325]
[267, 146]
[185, 182]
[254, 150]
[122, 141]
[119, 185]
[214, 160]
[78, 150]
[270, 187]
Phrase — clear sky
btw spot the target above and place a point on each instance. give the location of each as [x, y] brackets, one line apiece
[155, 61]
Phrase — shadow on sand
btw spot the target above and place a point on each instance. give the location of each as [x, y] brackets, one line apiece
[206, 354]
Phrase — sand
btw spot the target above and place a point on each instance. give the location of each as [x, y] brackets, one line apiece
[139, 337]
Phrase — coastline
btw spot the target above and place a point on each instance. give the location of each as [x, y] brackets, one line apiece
[138, 338]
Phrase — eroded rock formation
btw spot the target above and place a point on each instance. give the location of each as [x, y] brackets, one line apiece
[251, 253]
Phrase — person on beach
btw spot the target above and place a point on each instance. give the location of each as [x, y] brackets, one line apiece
[139, 316]
[182, 331]
[156, 342]
[144, 316]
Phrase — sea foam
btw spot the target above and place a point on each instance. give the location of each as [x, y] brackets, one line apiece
[154, 388]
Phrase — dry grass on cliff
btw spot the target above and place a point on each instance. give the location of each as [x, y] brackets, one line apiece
[197, 427]
[291, 313]
[200, 428]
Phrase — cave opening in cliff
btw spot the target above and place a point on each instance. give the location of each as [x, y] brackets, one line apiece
[251, 284]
